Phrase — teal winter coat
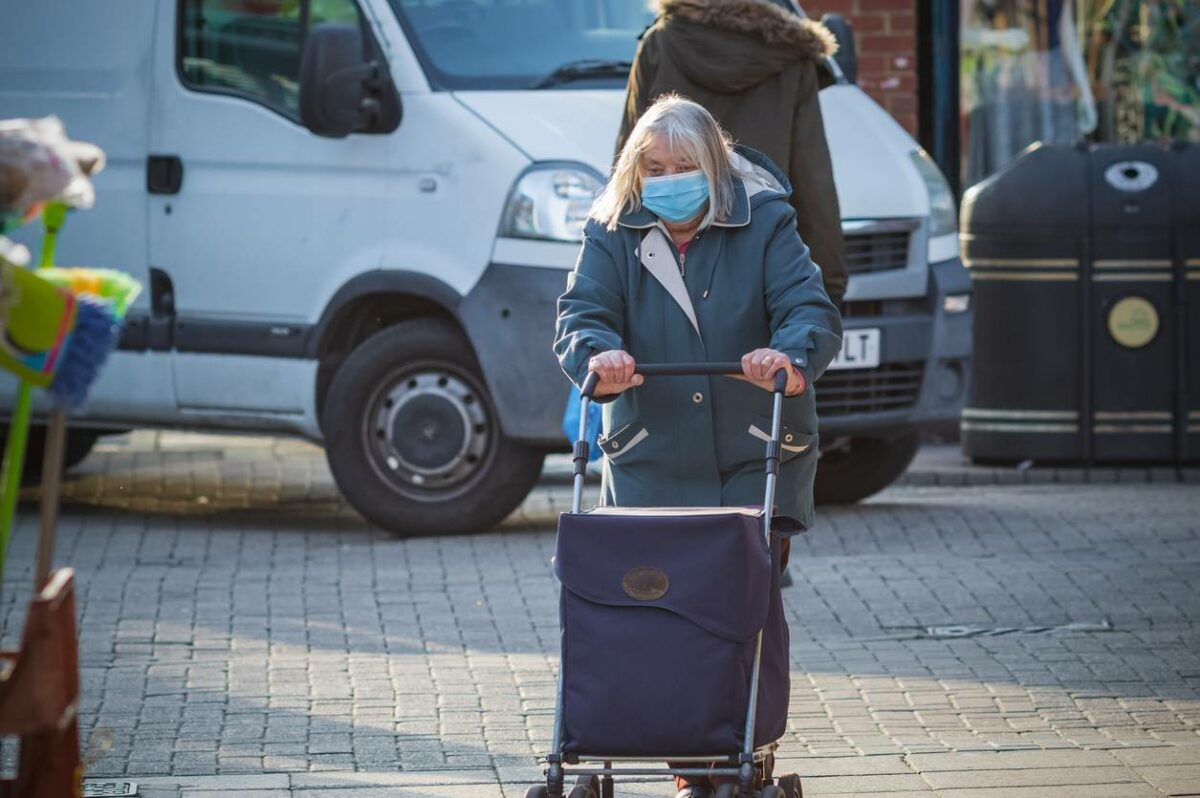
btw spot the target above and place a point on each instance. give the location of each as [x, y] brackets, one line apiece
[747, 282]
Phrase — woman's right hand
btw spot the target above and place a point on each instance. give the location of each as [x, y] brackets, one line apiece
[617, 371]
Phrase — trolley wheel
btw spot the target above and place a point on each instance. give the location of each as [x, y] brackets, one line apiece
[726, 789]
[790, 784]
[585, 787]
[537, 791]
[772, 791]
[767, 769]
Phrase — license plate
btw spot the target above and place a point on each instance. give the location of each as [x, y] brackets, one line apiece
[860, 350]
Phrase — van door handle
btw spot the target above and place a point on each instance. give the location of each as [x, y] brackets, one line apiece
[164, 174]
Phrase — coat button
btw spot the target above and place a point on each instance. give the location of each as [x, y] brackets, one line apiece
[697, 397]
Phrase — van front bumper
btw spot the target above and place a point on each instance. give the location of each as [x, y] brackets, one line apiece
[924, 364]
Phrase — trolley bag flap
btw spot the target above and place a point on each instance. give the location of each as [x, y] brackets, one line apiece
[710, 566]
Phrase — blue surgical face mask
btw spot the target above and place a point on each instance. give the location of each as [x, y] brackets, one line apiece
[675, 198]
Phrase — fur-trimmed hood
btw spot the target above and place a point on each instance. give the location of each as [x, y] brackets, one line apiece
[762, 19]
[728, 46]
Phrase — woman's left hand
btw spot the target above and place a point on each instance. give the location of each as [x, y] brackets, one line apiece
[759, 367]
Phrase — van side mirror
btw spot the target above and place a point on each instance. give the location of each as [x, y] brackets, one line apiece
[846, 57]
[343, 89]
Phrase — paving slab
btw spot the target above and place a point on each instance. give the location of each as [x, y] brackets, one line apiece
[433, 791]
[349, 780]
[1029, 777]
[1087, 791]
[240, 791]
[1011, 760]
[1178, 787]
[842, 766]
[854, 785]
[1159, 755]
[1172, 779]
[226, 784]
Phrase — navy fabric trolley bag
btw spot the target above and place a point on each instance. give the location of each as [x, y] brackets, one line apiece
[674, 643]
[660, 610]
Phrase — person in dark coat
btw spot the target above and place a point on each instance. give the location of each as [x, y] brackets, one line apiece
[691, 254]
[754, 66]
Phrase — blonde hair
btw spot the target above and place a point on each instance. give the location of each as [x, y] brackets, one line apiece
[688, 130]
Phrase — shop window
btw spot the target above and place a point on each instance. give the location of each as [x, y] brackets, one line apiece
[1057, 71]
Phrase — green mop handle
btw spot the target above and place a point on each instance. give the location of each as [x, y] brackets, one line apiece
[53, 218]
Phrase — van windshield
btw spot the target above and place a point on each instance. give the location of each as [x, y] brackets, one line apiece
[524, 44]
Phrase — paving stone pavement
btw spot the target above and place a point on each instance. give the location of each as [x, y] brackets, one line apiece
[243, 632]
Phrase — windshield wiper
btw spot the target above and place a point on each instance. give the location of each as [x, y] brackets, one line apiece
[584, 69]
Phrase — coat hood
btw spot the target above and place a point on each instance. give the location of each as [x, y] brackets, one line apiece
[729, 46]
[763, 169]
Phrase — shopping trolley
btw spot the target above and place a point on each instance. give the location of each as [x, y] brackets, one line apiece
[674, 642]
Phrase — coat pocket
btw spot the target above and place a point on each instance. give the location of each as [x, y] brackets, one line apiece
[791, 441]
[617, 445]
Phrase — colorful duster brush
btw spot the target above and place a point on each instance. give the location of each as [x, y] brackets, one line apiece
[41, 168]
[59, 327]
[103, 296]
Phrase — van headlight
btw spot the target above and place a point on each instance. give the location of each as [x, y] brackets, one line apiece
[551, 202]
[943, 216]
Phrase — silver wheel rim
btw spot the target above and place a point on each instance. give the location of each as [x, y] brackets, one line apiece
[429, 431]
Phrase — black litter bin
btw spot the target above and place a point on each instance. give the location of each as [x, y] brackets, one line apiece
[1085, 265]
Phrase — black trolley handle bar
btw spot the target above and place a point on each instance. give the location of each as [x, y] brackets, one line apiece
[732, 368]
[773, 448]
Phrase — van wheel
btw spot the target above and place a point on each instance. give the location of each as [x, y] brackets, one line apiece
[412, 436]
[80, 442]
[863, 467]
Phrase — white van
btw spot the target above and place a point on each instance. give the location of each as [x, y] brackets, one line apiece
[353, 219]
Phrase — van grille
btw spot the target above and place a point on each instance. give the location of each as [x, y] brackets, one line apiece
[876, 251]
[891, 386]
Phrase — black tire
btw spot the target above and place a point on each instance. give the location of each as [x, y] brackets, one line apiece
[790, 784]
[80, 442]
[457, 473]
[773, 791]
[537, 791]
[865, 467]
[586, 787]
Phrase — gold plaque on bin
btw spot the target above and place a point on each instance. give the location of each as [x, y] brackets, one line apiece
[1133, 322]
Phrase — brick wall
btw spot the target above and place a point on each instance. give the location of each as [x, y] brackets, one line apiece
[886, 40]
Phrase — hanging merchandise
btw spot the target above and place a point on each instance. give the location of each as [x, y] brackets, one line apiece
[102, 296]
[39, 163]
[57, 328]
[37, 318]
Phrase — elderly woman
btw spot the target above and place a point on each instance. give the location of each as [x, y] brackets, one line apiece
[692, 254]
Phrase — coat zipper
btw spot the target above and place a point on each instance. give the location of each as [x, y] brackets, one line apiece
[683, 264]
